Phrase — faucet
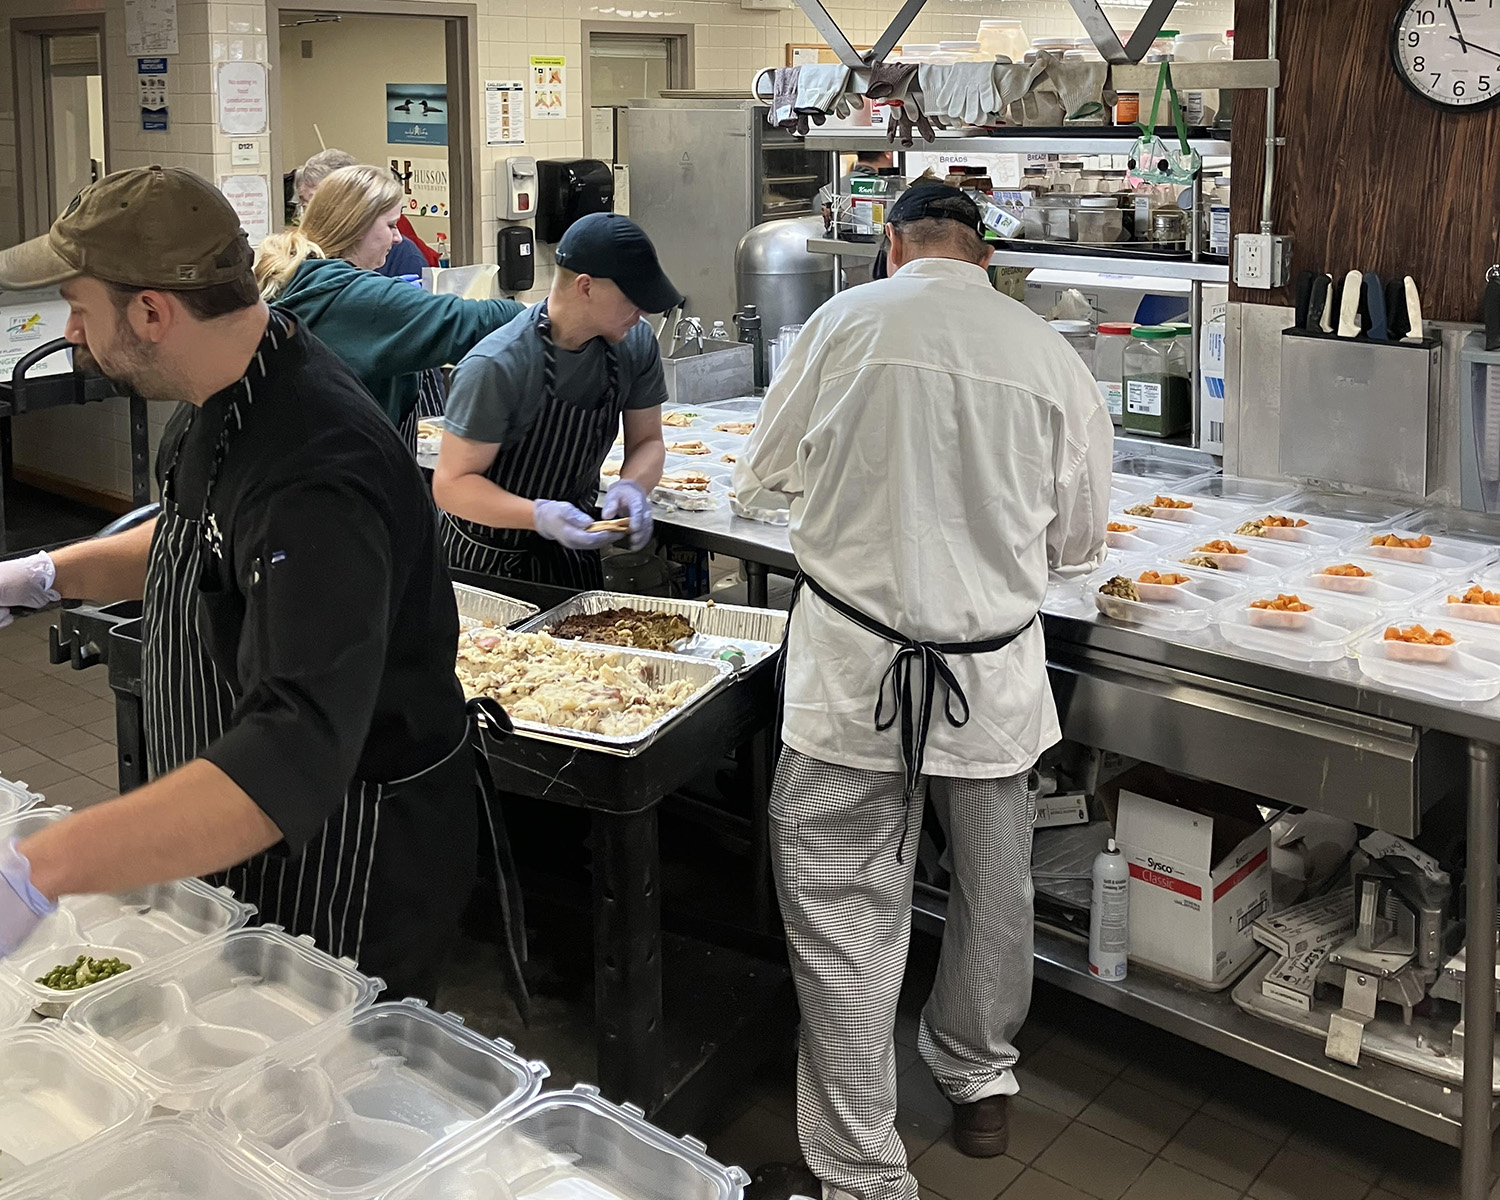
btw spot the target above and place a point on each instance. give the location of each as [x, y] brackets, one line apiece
[689, 329]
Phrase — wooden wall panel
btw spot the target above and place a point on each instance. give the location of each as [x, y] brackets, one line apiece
[1370, 178]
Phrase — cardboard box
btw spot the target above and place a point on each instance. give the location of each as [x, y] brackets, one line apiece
[1200, 875]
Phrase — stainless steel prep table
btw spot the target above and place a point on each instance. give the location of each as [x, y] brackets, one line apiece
[1320, 736]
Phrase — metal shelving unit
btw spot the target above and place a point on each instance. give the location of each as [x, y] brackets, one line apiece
[1100, 140]
[1103, 264]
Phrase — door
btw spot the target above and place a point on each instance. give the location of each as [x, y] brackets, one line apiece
[60, 114]
[625, 64]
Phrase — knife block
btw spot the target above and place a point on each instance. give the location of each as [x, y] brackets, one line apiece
[1359, 413]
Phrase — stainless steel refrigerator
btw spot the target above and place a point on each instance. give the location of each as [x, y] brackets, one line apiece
[702, 172]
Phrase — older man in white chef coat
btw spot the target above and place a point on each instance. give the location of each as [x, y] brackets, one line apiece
[940, 448]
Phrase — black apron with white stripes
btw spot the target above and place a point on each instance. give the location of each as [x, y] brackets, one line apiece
[363, 887]
[559, 459]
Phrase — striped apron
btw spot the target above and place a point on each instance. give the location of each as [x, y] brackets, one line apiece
[559, 459]
[387, 879]
[432, 398]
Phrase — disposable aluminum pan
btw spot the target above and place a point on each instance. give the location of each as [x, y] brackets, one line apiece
[478, 607]
[756, 631]
[709, 674]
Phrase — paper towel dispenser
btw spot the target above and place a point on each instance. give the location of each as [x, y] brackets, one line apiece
[571, 188]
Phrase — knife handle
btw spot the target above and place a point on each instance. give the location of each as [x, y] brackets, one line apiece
[1397, 319]
[1303, 303]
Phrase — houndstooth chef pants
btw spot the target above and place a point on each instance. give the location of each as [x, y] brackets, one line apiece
[846, 902]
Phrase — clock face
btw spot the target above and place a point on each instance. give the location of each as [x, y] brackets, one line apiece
[1448, 51]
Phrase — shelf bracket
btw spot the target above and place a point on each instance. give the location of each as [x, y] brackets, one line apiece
[1107, 41]
[824, 23]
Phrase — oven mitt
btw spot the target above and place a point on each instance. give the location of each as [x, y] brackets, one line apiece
[781, 114]
[961, 92]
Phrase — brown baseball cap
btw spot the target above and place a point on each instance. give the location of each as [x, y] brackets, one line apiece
[148, 227]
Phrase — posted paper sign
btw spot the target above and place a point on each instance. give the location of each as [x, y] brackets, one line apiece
[150, 27]
[27, 320]
[504, 112]
[416, 114]
[250, 197]
[425, 183]
[549, 87]
[243, 107]
[151, 73]
[245, 153]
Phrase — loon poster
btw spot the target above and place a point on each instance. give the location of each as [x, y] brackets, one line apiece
[416, 114]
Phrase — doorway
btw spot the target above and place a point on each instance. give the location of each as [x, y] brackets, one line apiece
[392, 83]
[60, 116]
[625, 62]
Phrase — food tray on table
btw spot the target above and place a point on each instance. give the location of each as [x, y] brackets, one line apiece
[56, 1094]
[1141, 536]
[567, 1145]
[1451, 608]
[477, 607]
[1198, 511]
[1236, 490]
[1275, 524]
[1340, 506]
[374, 1095]
[15, 1009]
[740, 408]
[1250, 558]
[1169, 608]
[1385, 583]
[1153, 471]
[136, 927]
[1467, 670]
[16, 797]
[693, 417]
[700, 447]
[657, 670]
[756, 632]
[203, 1019]
[429, 441]
[1444, 555]
[167, 1158]
[1322, 632]
[695, 499]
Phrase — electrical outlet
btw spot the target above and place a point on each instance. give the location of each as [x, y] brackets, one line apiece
[1262, 260]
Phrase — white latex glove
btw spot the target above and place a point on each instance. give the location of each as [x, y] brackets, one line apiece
[964, 92]
[22, 907]
[26, 583]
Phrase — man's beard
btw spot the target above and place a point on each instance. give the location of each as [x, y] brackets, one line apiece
[131, 365]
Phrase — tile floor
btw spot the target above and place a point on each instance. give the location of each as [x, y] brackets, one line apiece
[1110, 1109]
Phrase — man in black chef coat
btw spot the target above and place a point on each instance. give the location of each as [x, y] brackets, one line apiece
[306, 736]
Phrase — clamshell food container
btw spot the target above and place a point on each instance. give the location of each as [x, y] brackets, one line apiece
[1387, 584]
[1313, 534]
[1342, 506]
[167, 1158]
[1148, 471]
[1258, 561]
[567, 1145]
[706, 674]
[1197, 511]
[478, 607]
[15, 798]
[1182, 608]
[756, 632]
[204, 1019]
[1447, 556]
[15, 1009]
[137, 927]
[1320, 635]
[1252, 492]
[1468, 671]
[55, 1095]
[371, 1096]
[1147, 536]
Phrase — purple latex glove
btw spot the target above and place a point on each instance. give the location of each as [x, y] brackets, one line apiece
[22, 907]
[628, 499]
[567, 525]
[26, 583]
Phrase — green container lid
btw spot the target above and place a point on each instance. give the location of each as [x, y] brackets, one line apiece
[1153, 333]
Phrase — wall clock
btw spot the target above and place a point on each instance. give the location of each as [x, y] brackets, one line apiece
[1448, 52]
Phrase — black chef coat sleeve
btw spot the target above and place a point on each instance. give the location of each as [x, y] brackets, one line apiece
[314, 564]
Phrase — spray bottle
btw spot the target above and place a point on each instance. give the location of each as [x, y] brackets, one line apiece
[1109, 915]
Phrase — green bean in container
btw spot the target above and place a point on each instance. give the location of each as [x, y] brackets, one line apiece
[82, 972]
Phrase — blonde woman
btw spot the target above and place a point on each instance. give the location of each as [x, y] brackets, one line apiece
[387, 332]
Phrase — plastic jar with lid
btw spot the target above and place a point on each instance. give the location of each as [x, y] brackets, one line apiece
[1199, 106]
[919, 52]
[963, 51]
[1109, 365]
[1003, 39]
[1158, 394]
[1080, 335]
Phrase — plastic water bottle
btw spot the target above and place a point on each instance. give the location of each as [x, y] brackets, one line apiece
[1109, 915]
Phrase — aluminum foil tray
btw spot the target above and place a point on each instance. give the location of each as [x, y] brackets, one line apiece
[55, 1095]
[709, 674]
[204, 1019]
[572, 1144]
[757, 631]
[478, 607]
[163, 1159]
[138, 927]
[377, 1094]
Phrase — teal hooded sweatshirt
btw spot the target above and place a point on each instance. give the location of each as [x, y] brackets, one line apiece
[386, 330]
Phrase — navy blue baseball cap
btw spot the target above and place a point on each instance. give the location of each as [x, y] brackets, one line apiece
[939, 201]
[611, 246]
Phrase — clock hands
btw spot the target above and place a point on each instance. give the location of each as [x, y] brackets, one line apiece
[1473, 46]
[1456, 28]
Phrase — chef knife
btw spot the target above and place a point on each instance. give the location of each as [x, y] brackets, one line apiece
[1397, 321]
[1414, 312]
[1317, 308]
[1302, 304]
[1349, 325]
[1375, 307]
